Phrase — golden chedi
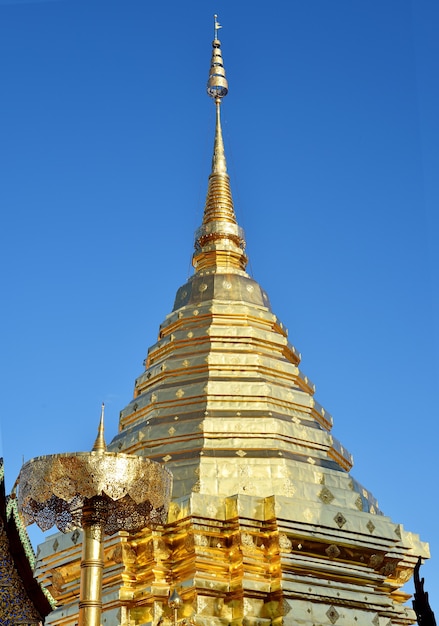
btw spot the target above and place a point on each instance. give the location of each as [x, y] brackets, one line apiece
[267, 526]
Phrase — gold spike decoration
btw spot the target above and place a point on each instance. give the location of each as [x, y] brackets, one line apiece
[100, 445]
[220, 242]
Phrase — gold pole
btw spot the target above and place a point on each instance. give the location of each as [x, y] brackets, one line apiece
[92, 564]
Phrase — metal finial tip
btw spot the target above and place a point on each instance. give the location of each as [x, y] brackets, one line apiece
[217, 86]
[100, 445]
[175, 600]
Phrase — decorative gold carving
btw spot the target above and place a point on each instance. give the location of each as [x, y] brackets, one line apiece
[284, 543]
[333, 551]
[370, 526]
[389, 568]
[340, 520]
[54, 488]
[332, 614]
[117, 554]
[326, 496]
[201, 540]
[376, 560]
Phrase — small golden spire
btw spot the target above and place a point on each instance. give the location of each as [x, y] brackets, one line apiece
[220, 242]
[100, 445]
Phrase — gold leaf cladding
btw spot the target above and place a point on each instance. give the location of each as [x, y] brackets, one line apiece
[174, 509]
[179, 393]
[160, 550]
[189, 542]
[201, 540]
[326, 496]
[171, 430]
[211, 509]
[319, 478]
[247, 540]
[404, 576]
[248, 607]
[289, 489]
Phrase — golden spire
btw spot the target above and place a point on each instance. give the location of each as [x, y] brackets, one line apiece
[100, 445]
[220, 242]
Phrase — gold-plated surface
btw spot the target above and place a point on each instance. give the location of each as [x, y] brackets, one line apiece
[267, 526]
[92, 563]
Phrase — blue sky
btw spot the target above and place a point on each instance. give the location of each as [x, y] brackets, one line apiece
[332, 136]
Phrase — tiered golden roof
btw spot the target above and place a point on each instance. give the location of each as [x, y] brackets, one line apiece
[267, 525]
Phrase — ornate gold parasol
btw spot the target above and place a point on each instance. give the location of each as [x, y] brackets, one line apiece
[100, 491]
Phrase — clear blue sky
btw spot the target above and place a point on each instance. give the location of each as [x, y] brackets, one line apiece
[332, 136]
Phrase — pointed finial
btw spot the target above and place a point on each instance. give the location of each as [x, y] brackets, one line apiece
[175, 600]
[219, 242]
[217, 86]
[216, 26]
[99, 444]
